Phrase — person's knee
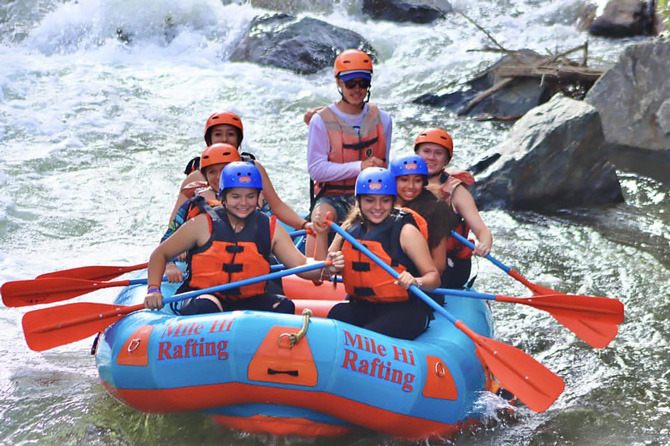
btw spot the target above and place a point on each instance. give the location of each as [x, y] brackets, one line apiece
[201, 305]
[285, 306]
[323, 209]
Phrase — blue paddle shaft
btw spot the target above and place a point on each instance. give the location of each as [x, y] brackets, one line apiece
[463, 293]
[413, 288]
[297, 233]
[250, 281]
[144, 281]
[470, 245]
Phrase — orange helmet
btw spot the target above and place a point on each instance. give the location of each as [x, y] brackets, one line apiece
[352, 60]
[229, 118]
[437, 136]
[218, 154]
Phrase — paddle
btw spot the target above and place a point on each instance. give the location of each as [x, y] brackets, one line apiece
[23, 293]
[110, 272]
[93, 272]
[534, 384]
[592, 319]
[51, 327]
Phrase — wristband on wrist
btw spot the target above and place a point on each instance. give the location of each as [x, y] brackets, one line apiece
[153, 289]
[304, 224]
[419, 283]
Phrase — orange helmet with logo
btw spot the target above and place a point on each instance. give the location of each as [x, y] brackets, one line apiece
[437, 136]
[352, 60]
[229, 118]
[218, 154]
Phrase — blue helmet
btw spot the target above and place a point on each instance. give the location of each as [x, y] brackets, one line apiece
[375, 181]
[408, 165]
[240, 174]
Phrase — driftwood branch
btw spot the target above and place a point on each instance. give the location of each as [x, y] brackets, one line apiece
[553, 72]
[479, 27]
[541, 68]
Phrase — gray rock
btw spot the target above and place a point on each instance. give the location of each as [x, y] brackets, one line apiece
[515, 99]
[624, 18]
[416, 11]
[305, 46]
[632, 97]
[552, 159]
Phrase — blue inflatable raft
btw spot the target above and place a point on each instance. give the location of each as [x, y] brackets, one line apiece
[254, 371]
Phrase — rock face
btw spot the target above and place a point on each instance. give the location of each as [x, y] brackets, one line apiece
[633, 97]
[305, 46]
[624, 18]
[416, 11]
[513, 100]
[553, 158]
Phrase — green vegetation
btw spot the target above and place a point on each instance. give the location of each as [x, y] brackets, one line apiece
[663, 11]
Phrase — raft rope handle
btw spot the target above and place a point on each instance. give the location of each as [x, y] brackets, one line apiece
[294, 338]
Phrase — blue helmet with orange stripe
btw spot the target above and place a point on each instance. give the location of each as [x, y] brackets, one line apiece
[240, 174]
[408, 165]
[375, 181]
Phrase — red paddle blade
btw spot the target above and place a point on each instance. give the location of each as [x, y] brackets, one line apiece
[531, 382]
[596, 334]
[597, 309]
[93, 272]
[21, 293]
[51, 327]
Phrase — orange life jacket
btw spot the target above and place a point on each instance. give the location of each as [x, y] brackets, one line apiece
[363, 278]
[191, 189]
[450, 180]
[194, 210]
[351, 144]
[421, 222]
[229, 256]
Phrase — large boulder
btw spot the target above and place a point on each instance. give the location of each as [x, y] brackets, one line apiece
[553, 158]
[624, 18]
[305, 45]
[633, 97]
[417, 11]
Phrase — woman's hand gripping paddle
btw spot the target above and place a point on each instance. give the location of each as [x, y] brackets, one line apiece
[592, 319]
[531, 382]
[51, 327]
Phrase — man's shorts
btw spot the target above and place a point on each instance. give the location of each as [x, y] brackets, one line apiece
[341, 203]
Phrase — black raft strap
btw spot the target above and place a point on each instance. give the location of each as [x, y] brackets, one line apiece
[360, 145]
[232, 267]
[360, 266]
[363, 291]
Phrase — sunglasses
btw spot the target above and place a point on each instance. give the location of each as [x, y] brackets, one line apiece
[362, 83]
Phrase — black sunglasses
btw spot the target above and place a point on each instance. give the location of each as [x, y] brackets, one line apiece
[362, 83]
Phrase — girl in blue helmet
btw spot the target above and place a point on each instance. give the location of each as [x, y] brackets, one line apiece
[411, 174]
[376, 300]
[229, 243]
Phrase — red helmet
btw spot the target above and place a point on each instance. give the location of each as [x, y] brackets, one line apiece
[437, 136]
[229, 118]
[352, 60]
[218, 154]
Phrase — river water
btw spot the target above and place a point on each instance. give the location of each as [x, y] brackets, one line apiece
[95, 134]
